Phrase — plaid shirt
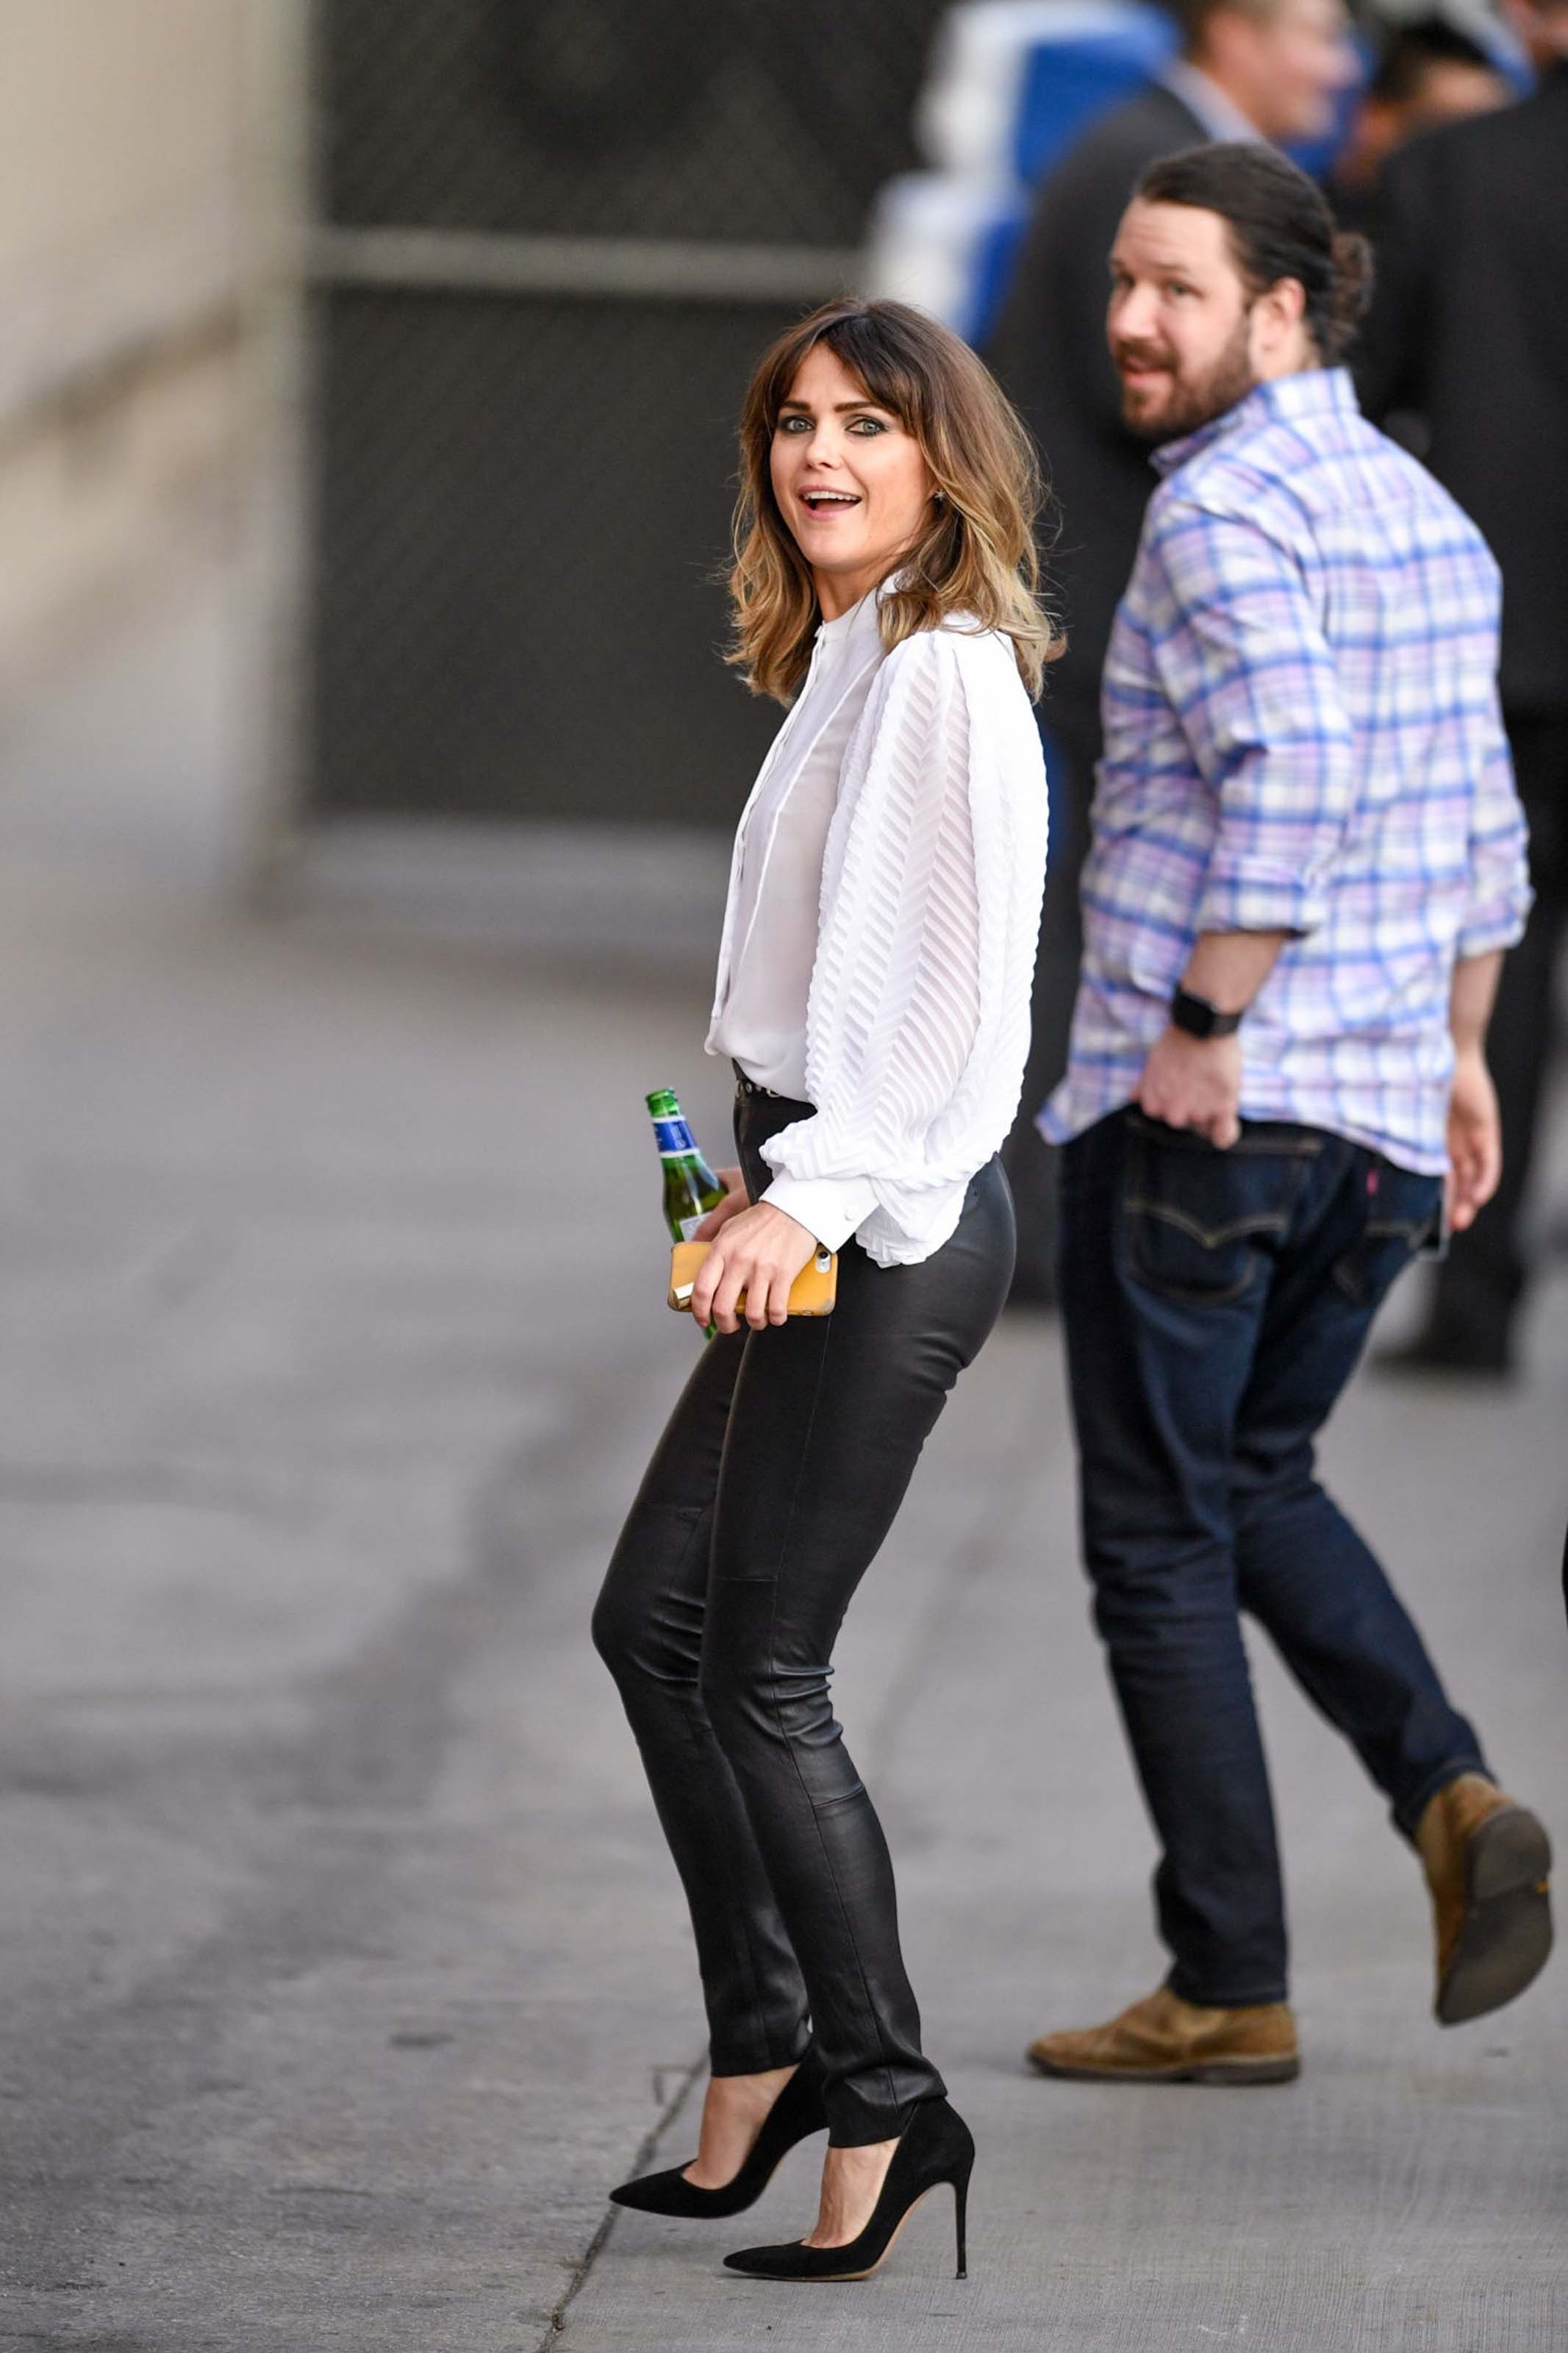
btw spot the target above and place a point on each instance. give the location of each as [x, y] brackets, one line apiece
[1301, 734]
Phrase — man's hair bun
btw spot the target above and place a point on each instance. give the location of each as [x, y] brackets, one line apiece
[1352, 289]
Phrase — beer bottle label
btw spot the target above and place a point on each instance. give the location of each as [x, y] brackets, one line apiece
[673, 1137]
[688, 1225]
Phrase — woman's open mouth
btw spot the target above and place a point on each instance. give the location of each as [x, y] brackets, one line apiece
[828, 501]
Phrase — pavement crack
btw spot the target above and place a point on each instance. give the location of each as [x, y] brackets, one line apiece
[596, 2247]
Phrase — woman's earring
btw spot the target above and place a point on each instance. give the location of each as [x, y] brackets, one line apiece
[939, 498]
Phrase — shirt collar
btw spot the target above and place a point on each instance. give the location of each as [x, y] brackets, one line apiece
[862, 617]
[1313, 391]
[1218, 112]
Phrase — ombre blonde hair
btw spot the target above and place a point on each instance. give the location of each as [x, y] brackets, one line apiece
[975, 557]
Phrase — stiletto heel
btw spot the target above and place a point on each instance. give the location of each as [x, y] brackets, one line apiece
[935, 2146]
[796, 2115]
[961, 2216]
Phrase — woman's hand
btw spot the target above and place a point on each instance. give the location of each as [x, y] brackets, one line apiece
[760, 1250]
[733, 1202]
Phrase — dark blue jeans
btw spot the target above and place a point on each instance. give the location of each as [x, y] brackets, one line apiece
[1214, 1305]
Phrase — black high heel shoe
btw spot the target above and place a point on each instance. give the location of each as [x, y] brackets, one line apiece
[796, 2115]
[935, 2146]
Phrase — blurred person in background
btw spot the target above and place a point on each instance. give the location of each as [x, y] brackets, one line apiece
[1308, 861]
[1468, 331]
[1248, 68]
[873, 994]
[1428, 72]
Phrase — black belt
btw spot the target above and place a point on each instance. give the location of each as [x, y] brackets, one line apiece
[750, 1087]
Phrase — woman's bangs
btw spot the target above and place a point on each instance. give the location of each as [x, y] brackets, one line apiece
[863, 353]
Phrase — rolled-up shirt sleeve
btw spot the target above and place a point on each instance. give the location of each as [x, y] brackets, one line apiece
[918, 1022]
[1500, 895]
[1241, 654]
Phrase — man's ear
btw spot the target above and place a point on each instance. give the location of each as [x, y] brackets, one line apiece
[1280, 309]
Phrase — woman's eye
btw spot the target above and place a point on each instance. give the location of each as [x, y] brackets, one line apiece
[866, 426]
[1174, 286]
[794, 424]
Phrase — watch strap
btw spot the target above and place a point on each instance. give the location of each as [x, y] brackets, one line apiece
[1199, 1018]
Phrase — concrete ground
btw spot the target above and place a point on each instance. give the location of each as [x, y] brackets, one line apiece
[341, 1968]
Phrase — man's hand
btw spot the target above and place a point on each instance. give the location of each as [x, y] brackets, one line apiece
[1194, 1082]
[733, 1202]
[760, 1251]
[1475, 1139]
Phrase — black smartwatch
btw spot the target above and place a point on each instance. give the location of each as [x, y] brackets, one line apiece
[1199, 1018]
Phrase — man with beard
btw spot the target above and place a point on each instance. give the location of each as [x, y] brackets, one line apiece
[1248, 68]
[1308, 861]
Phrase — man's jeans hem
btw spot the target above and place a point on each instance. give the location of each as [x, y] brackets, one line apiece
[1406, 1816]
[1184, 1989]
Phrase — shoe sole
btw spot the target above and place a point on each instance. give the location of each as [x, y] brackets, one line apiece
[1506, 1934]
[1236, 2072]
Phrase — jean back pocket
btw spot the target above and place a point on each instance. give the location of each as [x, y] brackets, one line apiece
[1198, 1220]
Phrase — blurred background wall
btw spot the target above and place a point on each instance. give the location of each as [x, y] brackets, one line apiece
[549, 242]
[420, 327]
[119, 144]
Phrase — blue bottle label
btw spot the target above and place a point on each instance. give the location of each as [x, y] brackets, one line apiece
[673, 1137]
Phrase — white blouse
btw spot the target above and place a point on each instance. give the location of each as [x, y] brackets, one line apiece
[779, 852]
[920, 836]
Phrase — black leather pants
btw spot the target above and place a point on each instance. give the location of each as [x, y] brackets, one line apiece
[768, 1497]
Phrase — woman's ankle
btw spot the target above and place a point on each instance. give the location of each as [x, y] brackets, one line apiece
[735, 2110]
[852, 2182]
[764, 2078]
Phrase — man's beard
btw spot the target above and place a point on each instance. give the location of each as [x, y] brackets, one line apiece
[1190, 404]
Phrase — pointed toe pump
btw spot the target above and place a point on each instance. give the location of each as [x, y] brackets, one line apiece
[796, 2115]
[936, 2148]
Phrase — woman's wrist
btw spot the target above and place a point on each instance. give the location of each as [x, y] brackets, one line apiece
[830, 1208]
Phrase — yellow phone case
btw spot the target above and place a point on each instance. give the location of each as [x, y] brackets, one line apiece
[813, 1292]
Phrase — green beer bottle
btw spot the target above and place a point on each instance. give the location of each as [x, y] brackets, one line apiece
[690, 1187]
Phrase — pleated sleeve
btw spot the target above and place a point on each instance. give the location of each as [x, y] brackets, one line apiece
[918, 1022]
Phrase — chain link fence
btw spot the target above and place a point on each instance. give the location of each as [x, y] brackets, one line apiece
[548, 242]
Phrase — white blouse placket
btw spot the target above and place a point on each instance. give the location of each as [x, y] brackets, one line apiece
[729, 956]
[727, 959]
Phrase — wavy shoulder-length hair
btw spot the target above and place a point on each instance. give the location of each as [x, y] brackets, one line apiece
[975, 556]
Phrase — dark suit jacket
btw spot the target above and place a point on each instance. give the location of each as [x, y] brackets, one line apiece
[1048, 349]
[1469, 328]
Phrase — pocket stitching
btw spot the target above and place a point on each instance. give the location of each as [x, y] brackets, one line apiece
[1411, 1232]
[1262, 1221]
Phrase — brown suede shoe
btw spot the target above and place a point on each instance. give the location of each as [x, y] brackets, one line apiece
[1164, 2040]
[1487, 1860]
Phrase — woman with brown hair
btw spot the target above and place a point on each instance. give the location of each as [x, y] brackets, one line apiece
[873, 995]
